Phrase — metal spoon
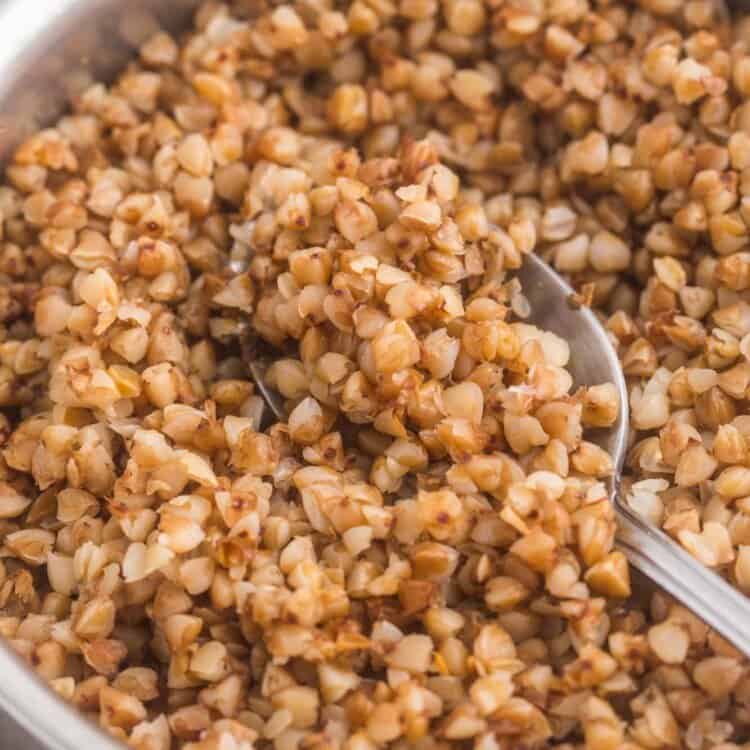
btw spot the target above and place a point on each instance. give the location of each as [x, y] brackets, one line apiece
[595, 361]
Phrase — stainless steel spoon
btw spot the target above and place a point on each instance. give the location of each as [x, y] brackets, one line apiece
[593, 361]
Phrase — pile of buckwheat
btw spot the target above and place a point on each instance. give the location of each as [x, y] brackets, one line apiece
[423, 555]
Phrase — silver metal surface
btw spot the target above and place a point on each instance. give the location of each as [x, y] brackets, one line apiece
[594, 360]
[257, 367]
[53, 49]
[275, 402]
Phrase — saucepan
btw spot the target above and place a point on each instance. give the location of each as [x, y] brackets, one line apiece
[53, 49]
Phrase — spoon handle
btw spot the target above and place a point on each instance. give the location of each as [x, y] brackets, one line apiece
[701, 590]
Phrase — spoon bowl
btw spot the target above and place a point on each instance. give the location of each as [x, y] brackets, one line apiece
[593, 361]
[593, 358]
